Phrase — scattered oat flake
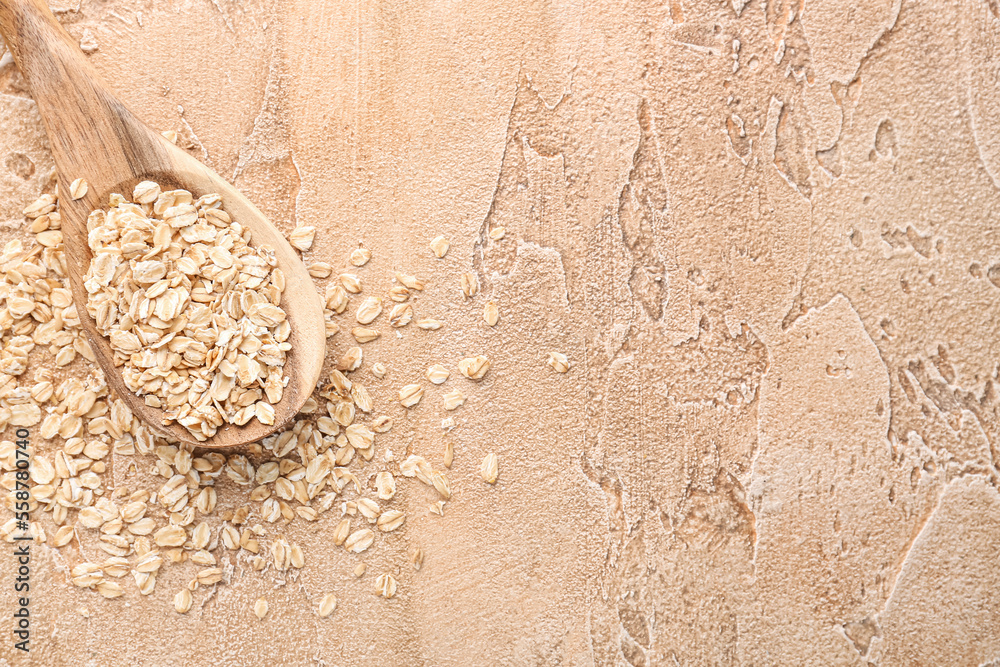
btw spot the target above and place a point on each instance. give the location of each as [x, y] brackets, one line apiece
[491, 314]
[490, 468]
[437, 374]
[351, 283]
[558, 362]
[474, 368]
[399, 294]
[110, 589]
[410, 395]
[390, 520]
[439, 246]
[350, 360]
[382, 424]
[88, 43]
[498, 233]
[429, 323]
[260, 608]
[470, 285]
[364, 334]
[182, 601]
[209, 576]
[385, 585]
[385, 485]
[44, 205]
[359, 540]
[453, 399]
[362, 399]
[441, 484]
[360, 256]
[410, 282]
[360, 436]
[401, 315]
[369, 309]
[302, 237]
[341, 532]
[327, 605]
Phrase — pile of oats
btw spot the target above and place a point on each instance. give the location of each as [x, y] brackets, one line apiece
[192, 310]
[122, 504]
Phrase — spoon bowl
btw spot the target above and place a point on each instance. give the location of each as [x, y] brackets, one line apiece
[93, 136]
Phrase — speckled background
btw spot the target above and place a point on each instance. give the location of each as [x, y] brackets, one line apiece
[764, 233]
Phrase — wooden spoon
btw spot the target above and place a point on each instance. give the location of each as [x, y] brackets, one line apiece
[94, 137]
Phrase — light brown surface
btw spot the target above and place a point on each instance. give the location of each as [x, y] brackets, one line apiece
[778, 441]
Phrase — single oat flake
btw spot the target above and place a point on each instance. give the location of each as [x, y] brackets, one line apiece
[302, 237]
[364, 334]
[439, 246]
[182, 601]
[360, 256]
[470, 285]
[385, 585]
[351, 283]
[453, 399]
[359, 540]
[429, 323]
[558, 362]
[320, 269]
[327, 605]
[410, 395]
[390, 520]
[437, 374]
[410, 282]
[399, 294]
[474, 368]
[351, 359]
[491, 314]
[401, 315]
[385, 485]
[369, 309]
[490, 468]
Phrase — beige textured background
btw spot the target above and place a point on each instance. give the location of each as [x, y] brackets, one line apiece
[765, 234]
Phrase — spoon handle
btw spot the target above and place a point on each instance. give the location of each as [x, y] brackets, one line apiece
[88, 127]
[28, 24]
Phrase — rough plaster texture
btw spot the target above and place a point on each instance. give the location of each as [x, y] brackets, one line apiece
[763, 232]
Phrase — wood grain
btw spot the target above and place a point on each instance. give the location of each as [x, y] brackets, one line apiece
[95, 137]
